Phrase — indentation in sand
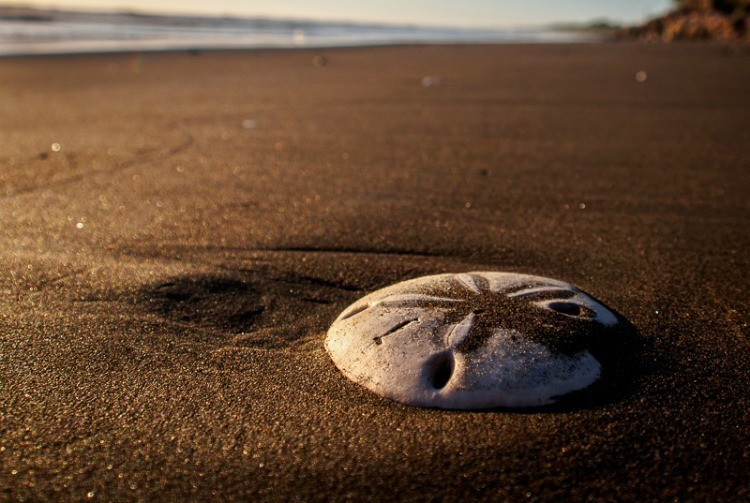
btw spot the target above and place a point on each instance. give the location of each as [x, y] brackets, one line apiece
[258, 308]
[217, 302]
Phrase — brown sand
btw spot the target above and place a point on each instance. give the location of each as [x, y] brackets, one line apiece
[168, 275]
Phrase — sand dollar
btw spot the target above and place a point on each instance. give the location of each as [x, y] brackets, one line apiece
[472, 340]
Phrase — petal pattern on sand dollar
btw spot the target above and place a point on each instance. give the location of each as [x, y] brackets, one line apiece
[472, 340]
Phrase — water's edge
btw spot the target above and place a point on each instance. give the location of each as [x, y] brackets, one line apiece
[56, 32]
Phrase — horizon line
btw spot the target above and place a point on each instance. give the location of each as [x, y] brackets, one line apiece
[156, 13]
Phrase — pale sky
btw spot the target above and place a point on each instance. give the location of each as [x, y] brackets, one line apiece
[491, 13]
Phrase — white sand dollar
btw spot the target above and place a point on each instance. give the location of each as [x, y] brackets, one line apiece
[471, 341]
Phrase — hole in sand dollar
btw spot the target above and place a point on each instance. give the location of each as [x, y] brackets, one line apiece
[568, 308]
[572, 309]
[486, 340]
[439, 369]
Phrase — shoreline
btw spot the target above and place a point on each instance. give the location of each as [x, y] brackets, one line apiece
[574, 38]
[261, 50]
[592, 40]
[39, 31]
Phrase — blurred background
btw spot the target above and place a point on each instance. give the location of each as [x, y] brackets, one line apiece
[68, 26]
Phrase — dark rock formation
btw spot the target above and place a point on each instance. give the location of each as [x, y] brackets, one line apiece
[697, 20]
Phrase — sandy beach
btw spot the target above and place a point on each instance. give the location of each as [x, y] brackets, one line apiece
[179, 230]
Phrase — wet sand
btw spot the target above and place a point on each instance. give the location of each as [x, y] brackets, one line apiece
[169, 272]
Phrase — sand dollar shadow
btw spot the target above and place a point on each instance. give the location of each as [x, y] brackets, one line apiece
[626, 361]
[223, 303]
[245, 308]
